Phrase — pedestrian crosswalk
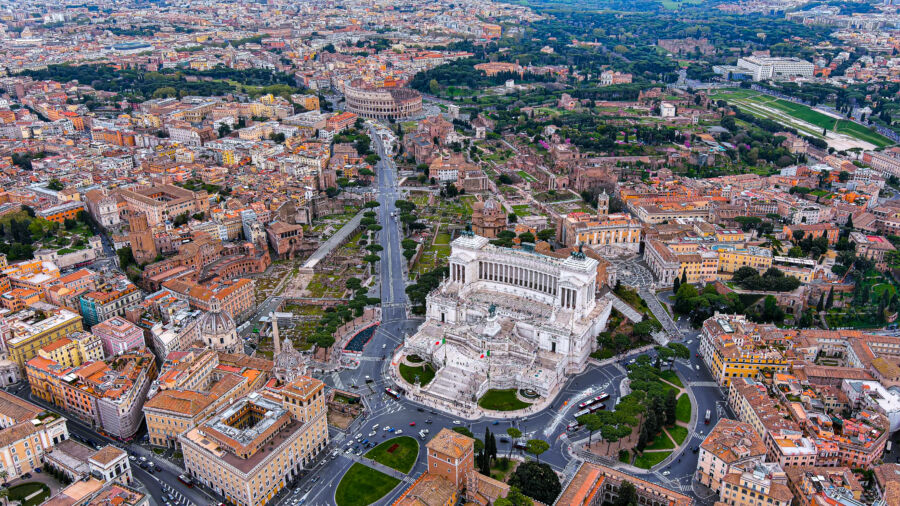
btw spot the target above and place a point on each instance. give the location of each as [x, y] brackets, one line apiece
[177, 498]
[337, 380]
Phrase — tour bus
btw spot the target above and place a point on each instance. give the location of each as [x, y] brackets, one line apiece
[591, 409]
[599, 398]
[706, 419]
[392, 393]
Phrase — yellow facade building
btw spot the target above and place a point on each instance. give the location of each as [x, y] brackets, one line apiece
[74, 350]
[250, 449]
[731, 347]
[30, 335]
[730, 260]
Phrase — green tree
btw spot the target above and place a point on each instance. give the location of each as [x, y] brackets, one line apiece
[514, 435]
[126, 257]
[515, 497]
[592, 423]
[536, 447]
[536, 480]
[830, 300]
[546, 234]
[626, 496]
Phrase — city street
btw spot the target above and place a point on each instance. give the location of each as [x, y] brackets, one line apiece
[319, 486]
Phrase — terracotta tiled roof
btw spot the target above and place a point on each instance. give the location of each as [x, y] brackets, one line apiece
[451, 443]
[107, 454]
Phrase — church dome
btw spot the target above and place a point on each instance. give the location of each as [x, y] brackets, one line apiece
[216, 323]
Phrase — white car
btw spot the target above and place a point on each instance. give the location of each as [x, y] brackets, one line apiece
[386, 428]
[399, 431]
[372, 433]
[665, 473]
[456, 422]
[375, 426]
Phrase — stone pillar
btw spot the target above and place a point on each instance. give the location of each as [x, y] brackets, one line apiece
[275, 339]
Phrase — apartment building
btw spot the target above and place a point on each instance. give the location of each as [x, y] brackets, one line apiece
[761, 483]
[731, 348]
[108, 395]
[730, 445]
[732, 259]
[31, 274]
[27, 433]
[192, 385]
[235, 297]
[118, 336]
[74, 349]
[109, 300]
[29, 331]
[178, 333]
[818, 484]
[250, 449]
[160, 203]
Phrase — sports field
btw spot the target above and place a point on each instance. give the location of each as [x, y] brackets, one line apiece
[840, 133]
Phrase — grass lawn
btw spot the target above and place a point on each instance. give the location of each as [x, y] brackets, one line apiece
[661, 442]
[425, 373]
[362, 485]
[645, 461]
[442, 238]
[670, 376]
[522, 210]
[527, 177]
[679, 433]
[399, 453]
[683, 409]
[20, 492]
[754, 102]
[502, 400]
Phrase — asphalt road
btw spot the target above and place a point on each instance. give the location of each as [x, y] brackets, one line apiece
[319, 484]
[157, 483]
[550, 424]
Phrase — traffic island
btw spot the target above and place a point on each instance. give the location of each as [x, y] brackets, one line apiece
[362, 485]
[398, 453]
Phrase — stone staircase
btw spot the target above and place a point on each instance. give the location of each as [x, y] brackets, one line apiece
[450, 382]
[622, 307]
[660, 313]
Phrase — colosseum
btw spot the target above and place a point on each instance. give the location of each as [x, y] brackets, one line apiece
[382, 103]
